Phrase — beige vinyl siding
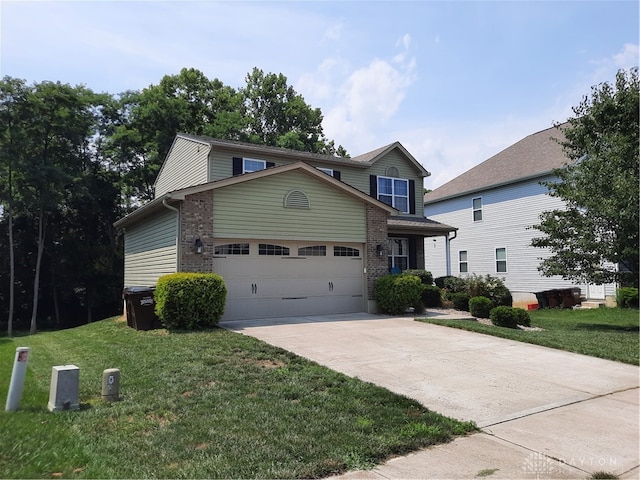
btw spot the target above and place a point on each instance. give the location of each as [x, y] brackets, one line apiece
[150, 250]
[255, 209]
[185, 167]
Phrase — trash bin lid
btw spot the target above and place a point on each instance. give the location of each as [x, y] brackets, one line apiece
[138, 289]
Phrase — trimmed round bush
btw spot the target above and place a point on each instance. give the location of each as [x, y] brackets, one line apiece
[627, 297]
[503, 316]
[396, 293]
[460, 301]
[425, 277]
[186, 301]
[431, 296]
[480, 306]
[523, 317]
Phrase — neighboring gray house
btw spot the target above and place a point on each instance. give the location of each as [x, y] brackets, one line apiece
[494, 205]
[292, 233]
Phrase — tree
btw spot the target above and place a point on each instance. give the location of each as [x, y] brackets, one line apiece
[594, 239]
[12, 96]
[143, 125]
[278, 116]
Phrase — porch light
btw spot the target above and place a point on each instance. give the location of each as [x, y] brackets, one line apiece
[380, 250]
[198, 246]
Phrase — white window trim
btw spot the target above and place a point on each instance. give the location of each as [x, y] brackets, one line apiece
[506, 259]
[393, 194]
[328, 171]
[460, 261]
[474, 210]
[244, 164]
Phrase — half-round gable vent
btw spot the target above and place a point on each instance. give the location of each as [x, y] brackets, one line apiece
[392, 172]
[296, 199]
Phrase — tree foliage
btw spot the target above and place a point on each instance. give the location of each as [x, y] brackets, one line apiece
[594, 239]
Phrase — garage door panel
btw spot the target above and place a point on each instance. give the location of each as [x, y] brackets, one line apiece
[273, 286]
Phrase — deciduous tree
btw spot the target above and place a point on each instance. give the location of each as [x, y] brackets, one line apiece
[594, 239]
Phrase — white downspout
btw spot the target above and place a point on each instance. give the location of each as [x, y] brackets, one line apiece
[447, 247]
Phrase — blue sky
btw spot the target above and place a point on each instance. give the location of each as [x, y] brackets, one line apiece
[455, 82]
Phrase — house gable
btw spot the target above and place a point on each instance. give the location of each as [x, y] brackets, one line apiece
[186, 164]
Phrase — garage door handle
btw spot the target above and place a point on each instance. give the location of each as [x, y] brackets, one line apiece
[254, 288]
[331, 286]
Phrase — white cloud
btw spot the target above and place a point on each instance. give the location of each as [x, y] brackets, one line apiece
[628, 57]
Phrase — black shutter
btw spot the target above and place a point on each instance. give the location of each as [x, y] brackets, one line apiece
[413, 254]
[373, 186]
[237, 166]
[412, 197]
[270, 164]
[336, 174]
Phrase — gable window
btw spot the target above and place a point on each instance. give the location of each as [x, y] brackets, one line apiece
[501, 260]
[274, 250]
[394, 192]
[232, 249]
[313, 251]
[463, 261]
[398, 254]
[477, 209]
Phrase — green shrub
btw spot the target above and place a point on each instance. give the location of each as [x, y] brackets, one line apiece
[425, 277]
[460, 301]
[491, 287]
[503, 316]
[627, 297]
[396, 293]
[431, 296]
[480, 306]
[190, 300]
[523, 317]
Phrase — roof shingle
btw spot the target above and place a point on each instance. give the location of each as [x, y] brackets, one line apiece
[533, 156]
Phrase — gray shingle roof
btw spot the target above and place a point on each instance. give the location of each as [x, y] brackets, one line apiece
[533, 156]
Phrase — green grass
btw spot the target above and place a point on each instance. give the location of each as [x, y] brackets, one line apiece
[609, 333]
[212, 404]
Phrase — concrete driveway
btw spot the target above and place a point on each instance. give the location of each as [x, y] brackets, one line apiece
[544, 413]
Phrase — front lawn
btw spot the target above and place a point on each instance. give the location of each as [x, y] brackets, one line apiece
[609, 333]
[213, 404]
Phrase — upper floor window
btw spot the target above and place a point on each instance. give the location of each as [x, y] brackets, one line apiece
[477, 209]
[501, 260]
[463, 258]
[251, 165]
[246, 165]
[331, 172]
[394, 192]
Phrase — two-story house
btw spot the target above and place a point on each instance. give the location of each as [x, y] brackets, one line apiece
[292, 233]
[495, 205]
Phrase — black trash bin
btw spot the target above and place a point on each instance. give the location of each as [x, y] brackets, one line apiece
[542, 299]
[141, 308]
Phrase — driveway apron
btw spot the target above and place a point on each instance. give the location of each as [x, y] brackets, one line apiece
[544, 413]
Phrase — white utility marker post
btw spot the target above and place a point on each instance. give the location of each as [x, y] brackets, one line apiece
[17, 379]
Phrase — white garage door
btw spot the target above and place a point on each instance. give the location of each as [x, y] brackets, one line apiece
[283, 279]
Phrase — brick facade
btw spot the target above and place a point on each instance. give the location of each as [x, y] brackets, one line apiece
[377, 265]
[197, 222]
